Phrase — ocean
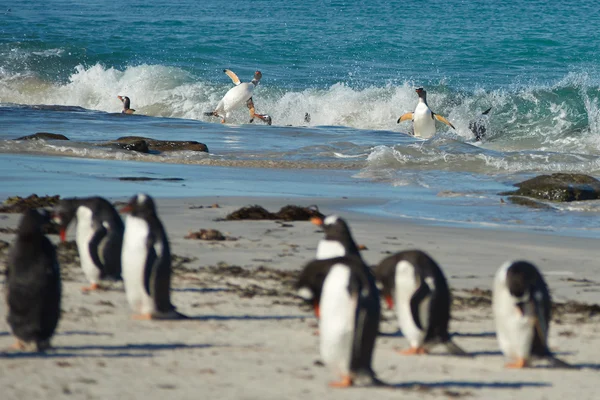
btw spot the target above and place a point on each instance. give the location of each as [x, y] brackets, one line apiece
[350, 67]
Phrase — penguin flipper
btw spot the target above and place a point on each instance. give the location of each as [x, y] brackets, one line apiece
[486, 111]
[233, 76]
[94, 247]
[404, 117]
[160, 280]
[444, 120]
[415, 303]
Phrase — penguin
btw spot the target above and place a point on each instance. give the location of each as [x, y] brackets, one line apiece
[522, 306]
[338, 240]
[99, 236]
[146, 261]
[126, 105]
[240, 93]
[479, 125]
[33, 284]
[423, 118]
[413, 283]
[349, 306]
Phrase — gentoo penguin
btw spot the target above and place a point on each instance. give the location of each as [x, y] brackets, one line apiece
[479, 125]
[126, 105]
[521, 304]
[414, 283]
[236, 96]
[349, 308]
[99, 236]
[33, 284]
[338, 240]
[146, 261]
[423, 118]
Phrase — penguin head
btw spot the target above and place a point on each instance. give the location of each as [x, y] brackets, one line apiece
[521, 278]
[33, 221]
[257, 77]
[125, 100]
[63, 214]
[140, 205]
[422, 93]
[335, 228]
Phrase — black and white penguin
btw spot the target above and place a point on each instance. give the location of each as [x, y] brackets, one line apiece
[423, 118]
[479, 125]
[126, 105]
[241, 93]
[349, 309]
[33, 284]
[414, 284]
[146, 261]
[99, 236]
[338, 240]
[522, 306]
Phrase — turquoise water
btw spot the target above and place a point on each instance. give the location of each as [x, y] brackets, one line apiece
[352, 66]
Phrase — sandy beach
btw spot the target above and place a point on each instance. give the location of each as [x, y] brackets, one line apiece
[250, 338]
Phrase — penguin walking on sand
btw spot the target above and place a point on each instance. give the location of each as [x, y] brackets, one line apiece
[413, 283]
[146, 261]
[33, 284]
[241, 93]
[126, 105]
[423, 118]
[348, 303]
[99, 236]
[338, 240]
[522, 306]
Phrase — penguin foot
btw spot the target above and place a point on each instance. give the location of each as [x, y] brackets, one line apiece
[43, 345]
[18, 345]
[518, 364]
[92, 287]
[346, 381]
[142, 317]
[413, 351]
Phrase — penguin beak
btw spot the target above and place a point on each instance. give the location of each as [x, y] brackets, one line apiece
[390, 302]
[126, 208]
[317, 310]
[317, 221]
[63, 233]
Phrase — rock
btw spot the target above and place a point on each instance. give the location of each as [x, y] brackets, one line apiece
[526, 201]
[286, 213]
[141, 146]
[559, 187]
[44, 136]
[166, 145]
[18, 205]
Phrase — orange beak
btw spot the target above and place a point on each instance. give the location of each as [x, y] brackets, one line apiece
[317, 221]
[125, 209]
[63, 234]
[317, 310]
[389, 301]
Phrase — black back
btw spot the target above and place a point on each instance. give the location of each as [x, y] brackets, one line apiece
[524, 281]
[425, 267]
[33, 281]
[107, 257]
[312, 277]
[479, 125]
[158, 265]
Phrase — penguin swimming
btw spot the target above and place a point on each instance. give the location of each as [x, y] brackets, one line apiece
[479, 125]
[423, 118]
[338, 240]
[240, 93]
[126, 105]
[33, 284]
[521, 304]
[146, 261]
[349, 308]
[414, 284]
[99, 236]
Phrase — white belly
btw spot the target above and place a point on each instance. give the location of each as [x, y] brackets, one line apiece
[514, 331]
[236, 97]
[327, 249]
[405, 288]
[337, 320]
[84, 234]
[423, 122]
[133, 260]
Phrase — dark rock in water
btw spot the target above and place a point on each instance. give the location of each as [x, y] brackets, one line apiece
[44, 136]
[19, 204]
[287, 213]
[559, 187]
[144, 179]
[526, 201]
[166, 145]
[141, 146]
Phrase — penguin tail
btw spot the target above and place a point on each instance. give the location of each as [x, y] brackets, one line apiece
[169, 315]
[558, 363]
[367, 379]
[455, 349]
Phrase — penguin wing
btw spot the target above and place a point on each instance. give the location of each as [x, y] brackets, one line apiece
[94, 246]
[366, 326]
[151, 261]
[541, 322]
[417, 299]
[404, 117]
[233, 76]
[442, 119]
[160, 279]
